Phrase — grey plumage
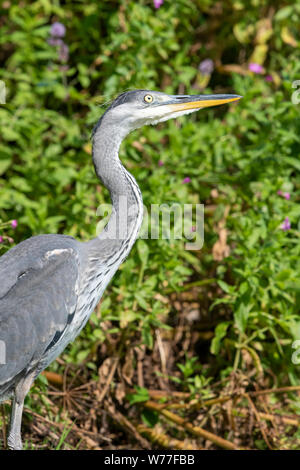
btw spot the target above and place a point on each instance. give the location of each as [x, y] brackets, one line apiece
[37, 299]
[50, 284]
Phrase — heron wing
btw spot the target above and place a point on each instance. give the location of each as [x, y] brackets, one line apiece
[38, 280]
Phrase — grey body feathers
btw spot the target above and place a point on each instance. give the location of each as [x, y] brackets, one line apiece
[37, 298]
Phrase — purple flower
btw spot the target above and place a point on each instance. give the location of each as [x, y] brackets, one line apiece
[158, 3]
[55, 42]
[193, 229]
[287, 196]
[160, 163]
[14, 223]
[206, 67]
[269, 78]
[186, 180]
[1, 239]
[286, 224]
[63, 52]
[256, 68]
[58, 30]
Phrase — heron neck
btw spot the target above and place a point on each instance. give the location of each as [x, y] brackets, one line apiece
[127, 204]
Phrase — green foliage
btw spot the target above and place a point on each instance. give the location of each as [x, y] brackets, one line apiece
[141, 394]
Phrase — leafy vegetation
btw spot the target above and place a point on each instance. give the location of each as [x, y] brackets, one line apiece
[218, 321]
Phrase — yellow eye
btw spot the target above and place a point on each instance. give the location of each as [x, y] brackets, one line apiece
[148, 98]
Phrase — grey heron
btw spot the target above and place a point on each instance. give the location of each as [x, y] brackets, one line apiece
[50, 284]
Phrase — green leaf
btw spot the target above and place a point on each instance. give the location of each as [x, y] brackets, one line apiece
[220, 332]
[241, 315]
[150, 418]
[226, 287]
[294, 162]
[140, 396]
[143, 251]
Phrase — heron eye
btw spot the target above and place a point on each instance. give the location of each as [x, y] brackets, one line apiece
[148, 98]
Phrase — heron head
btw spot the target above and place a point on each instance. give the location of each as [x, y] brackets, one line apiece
[137, 108]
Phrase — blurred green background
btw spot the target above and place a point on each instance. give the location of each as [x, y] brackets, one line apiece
[235, 302]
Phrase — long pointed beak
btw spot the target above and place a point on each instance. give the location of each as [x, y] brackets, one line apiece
[184, 102]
